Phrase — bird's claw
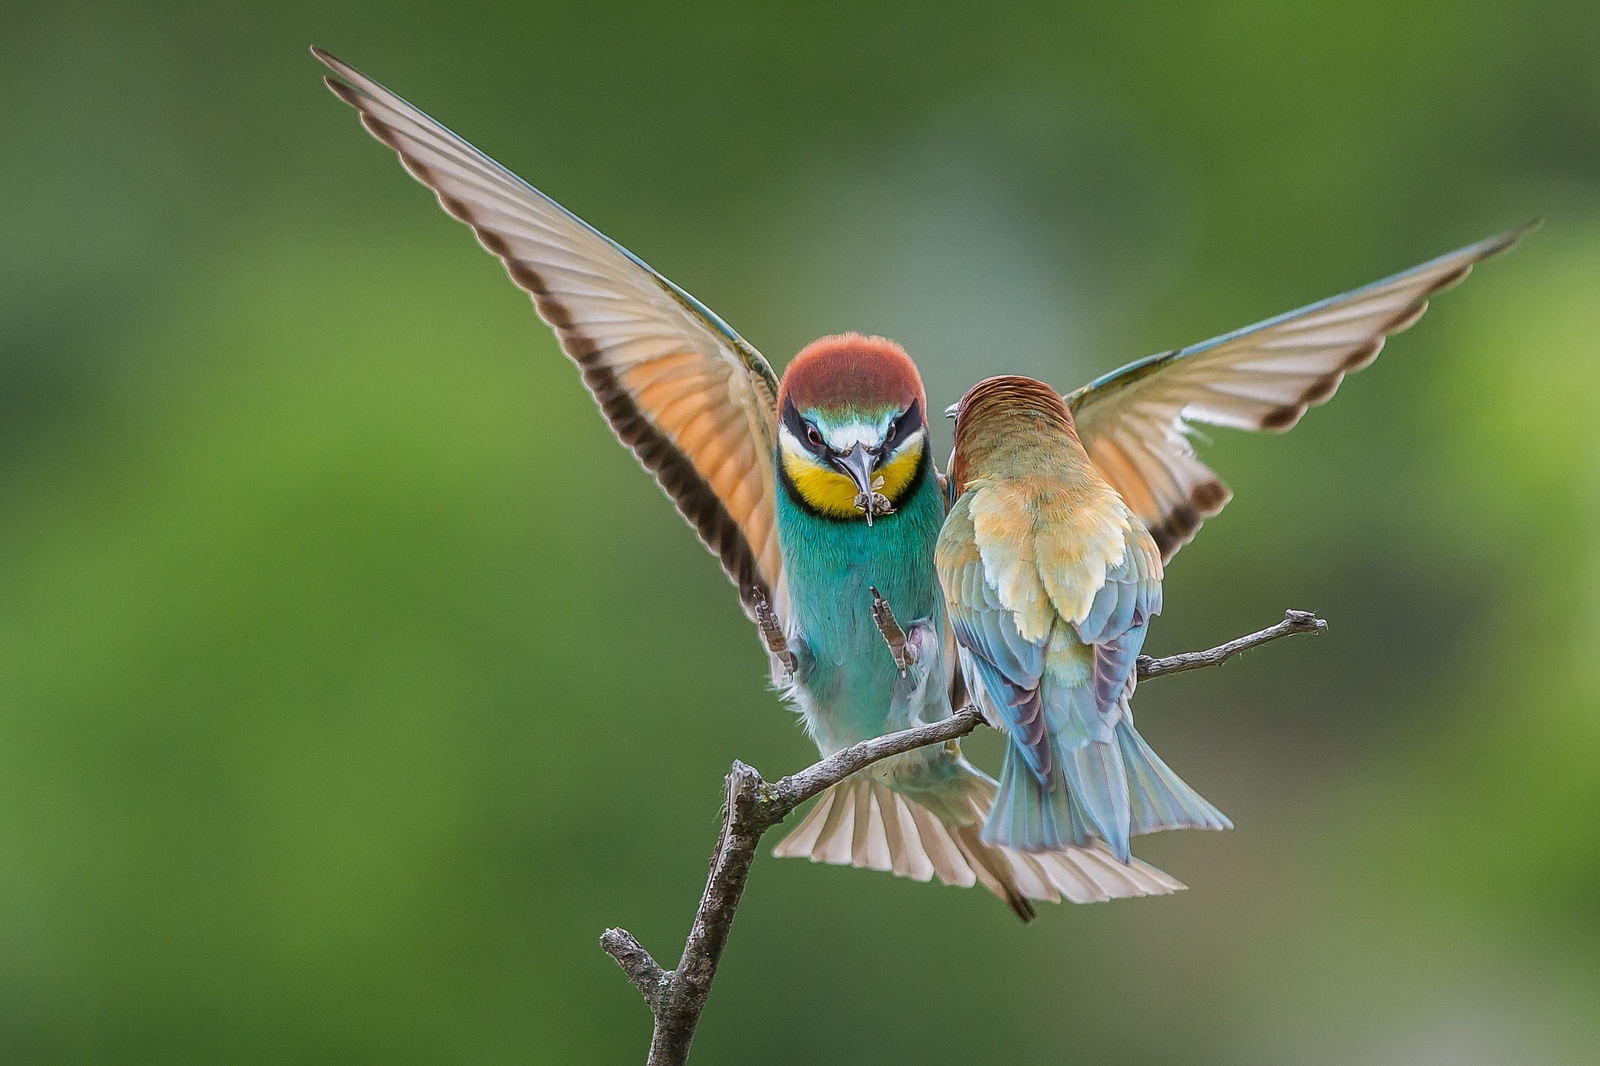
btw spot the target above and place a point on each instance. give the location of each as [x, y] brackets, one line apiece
[903, 652]
[772, 632]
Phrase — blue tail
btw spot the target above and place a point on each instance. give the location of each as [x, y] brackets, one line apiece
[1159, 799]
[1099, 787]
[1107, 790]
[1026, 816]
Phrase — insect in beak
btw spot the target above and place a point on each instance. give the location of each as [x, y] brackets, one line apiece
[858, 464]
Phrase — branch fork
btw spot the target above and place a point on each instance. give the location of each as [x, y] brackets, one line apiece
[751, 806]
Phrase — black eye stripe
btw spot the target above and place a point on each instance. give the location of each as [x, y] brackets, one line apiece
[800, 428]
[901, 427]
[904, 426]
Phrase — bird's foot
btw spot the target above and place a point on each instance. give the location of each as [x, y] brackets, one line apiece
[874, 502]
[903, 651]
[772, 633]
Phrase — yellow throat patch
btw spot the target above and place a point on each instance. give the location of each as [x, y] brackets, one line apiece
[832, 493]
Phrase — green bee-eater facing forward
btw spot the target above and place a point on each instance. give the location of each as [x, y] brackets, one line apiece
[818, 492]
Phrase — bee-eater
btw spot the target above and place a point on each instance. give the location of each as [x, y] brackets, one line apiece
[817, 493]
[1128, 431]
[1051, 581]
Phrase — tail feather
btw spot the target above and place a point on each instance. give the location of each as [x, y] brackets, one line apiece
[802, 839]
[991, 870]
[861, 823]
[901, 835]
[1026, 815]
[943, 852]
[838, 831]
[1110, 791]
[871, 838]
[1098, 782]
[1093, 874]
[1158, 798]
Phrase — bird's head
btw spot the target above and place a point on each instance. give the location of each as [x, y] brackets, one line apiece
[1001, 414]
[852, 440]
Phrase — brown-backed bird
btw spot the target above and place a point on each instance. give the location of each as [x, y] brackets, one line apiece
[1051, 581]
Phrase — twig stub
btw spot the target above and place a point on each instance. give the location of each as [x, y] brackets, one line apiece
[645, 973]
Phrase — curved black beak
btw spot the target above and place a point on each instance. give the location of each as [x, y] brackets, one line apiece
[858, 463]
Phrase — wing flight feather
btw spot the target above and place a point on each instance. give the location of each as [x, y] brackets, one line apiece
[1136, 421]
[694, 402]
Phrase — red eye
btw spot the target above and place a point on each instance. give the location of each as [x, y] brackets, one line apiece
[813, 437]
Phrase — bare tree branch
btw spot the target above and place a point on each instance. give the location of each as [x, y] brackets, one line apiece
[645, 973]
[1293, 622]
[751, 807]
[743, 822]
[789, 792]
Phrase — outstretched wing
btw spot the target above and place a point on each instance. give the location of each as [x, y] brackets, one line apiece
[1135, 422]
[693, 400]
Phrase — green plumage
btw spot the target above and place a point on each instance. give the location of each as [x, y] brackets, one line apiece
[847, 685]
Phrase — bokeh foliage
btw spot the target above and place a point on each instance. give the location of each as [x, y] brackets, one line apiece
[352, 678]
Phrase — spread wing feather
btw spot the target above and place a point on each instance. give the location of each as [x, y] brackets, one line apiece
[1135, 421]
[694, 401]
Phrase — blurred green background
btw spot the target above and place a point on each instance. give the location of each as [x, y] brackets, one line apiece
[352, 678]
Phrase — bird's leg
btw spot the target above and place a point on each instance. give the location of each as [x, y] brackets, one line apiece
[874, 502]
[903, 651]
[772, 632]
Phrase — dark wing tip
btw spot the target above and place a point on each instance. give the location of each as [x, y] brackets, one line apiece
[331, 61]
[344, 92]
[1180, 524]
[1512, 236]
[1209, 497]
[1021, 907]
[1506, 240]
[1282, 419]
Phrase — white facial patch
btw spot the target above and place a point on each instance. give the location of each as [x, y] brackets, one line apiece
[843, 438]
[788, 443]
[916, 438]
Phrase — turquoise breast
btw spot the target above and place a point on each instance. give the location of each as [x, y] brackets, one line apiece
[847, 691]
